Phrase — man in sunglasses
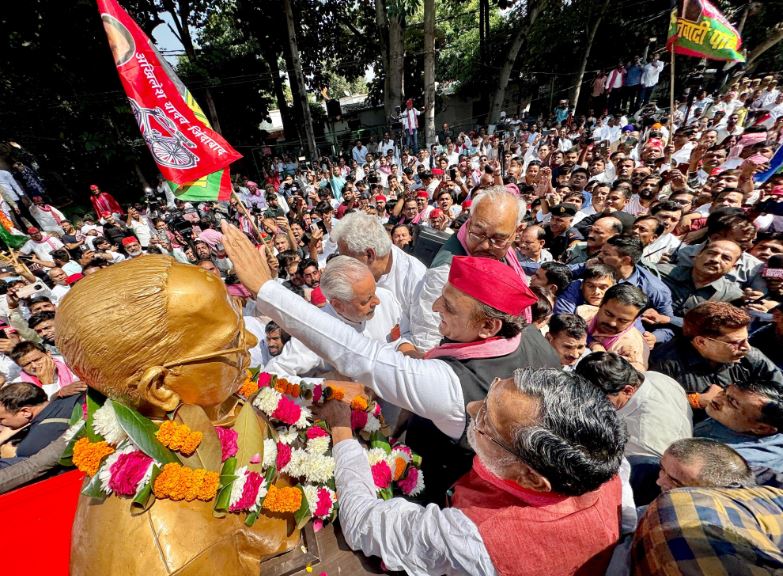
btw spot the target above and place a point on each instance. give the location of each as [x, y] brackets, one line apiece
[548, 449]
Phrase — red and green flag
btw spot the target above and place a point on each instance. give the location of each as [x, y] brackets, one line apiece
[698, 29]
[191, 156]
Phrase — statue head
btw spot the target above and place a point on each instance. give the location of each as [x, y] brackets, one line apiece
[153, 332]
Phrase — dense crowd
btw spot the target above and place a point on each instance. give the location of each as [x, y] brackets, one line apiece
[591, 305]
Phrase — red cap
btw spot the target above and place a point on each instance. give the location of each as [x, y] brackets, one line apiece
[317, 297]
[422, 194]
[436, 213]
[129, 240]
[33, 230]
[437, 172]
[93, 186]
[380, 198]
[506, 292]
[467, 203]
[73, 278]
[776, 191]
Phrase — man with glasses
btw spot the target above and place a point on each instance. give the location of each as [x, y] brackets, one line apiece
[495, 218]
[713, 353]
[548, 449]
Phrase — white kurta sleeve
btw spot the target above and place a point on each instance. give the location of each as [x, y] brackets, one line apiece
[428, 388]
[425, 323]
[407, 536]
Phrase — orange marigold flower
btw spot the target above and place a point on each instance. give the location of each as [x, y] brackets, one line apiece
[87, 455]
[283, 500]
[359, 403]
[179, 483]
[399, 468]
[248, 388]
[296, 390]
[337, 393]
[178, 437]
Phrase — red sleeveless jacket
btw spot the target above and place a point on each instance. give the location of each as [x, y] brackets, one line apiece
[534, 533]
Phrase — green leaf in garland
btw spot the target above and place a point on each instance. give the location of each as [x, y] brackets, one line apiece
[377, 440]
[142, 432]
[250, 438]
[209, 453]
[94, 401]
[144, 499]
[66, 458]
[93, 489]
[251, 518]
[77, 414]
[302, 516]
[227, 477]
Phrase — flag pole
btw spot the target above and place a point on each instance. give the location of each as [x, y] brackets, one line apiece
[671, 97]
[243, 209]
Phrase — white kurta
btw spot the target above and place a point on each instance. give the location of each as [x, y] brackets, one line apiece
[406, 536]
[425, 323]
[404, 281]
[43, 248]
[429, 388]
[48, 220]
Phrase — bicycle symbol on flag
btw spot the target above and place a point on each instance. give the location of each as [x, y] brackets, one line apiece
[168, 145]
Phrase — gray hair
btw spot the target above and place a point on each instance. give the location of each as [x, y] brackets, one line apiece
[338, 277]
[498, 194]
[576, 440]
[721, 465]
[360, 232]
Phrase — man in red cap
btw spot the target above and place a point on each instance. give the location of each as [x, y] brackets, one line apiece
[132, 247]
[484, 336]
[103, 202]
[41, 246]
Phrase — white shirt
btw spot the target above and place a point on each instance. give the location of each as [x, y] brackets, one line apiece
[650, 73]
[406, 536]
[71, 267]
[429, 388]
[664, 244]
[656, 415]
[404, 280]
[8, 182]
[259, 355]
[58, 291]
[42, 248]
[141, 229]
[296, 359]
[410, 119]
[47, 219]
[359, 154]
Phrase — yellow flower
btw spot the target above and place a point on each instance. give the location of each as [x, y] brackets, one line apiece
[87, 455]
[179, 483]
[283, 500]
[178, 437]
[359, 403]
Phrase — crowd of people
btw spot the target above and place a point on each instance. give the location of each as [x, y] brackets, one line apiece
[593, 337]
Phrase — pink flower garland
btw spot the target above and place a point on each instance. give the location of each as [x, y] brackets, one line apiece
[408, 484]
[228, 441]
[264, 379]
[283, 455]
[358, 419]
[127, 472]
[316, 432]
[324, 506]
[381, 474]
[253, 483]
[287, 411]
[318, 392]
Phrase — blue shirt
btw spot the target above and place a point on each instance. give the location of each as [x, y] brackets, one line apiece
[658, 293]
[633, 75]
[759, 451]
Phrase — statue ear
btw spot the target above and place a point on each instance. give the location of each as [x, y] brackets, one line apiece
[153, 389]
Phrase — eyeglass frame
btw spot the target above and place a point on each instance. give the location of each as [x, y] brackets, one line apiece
[241, 347]
[481, 238]
[487, 435]
[733, 345]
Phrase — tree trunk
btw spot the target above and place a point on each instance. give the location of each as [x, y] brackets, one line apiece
[383, 29]
[429, 71]
[298, 78]
[289, 124]
[588, 47]
[396, 70]
[496, 105]
[775, 36]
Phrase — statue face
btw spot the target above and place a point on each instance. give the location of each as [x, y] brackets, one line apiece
[200, 309]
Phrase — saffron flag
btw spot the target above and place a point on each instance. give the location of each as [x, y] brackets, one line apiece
[698, 29]
[189, 154]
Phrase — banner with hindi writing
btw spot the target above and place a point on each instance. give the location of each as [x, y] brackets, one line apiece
[183, 145]
[698, 29]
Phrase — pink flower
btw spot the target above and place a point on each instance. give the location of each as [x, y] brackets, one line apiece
[84, 410]
[381, 474]
[249, 492]
[403, 448]
[255, 458]
[318, 392]
[283, 455]
[228, 441]
[358, 419]
[264, 379]
[127, 472]
[316, 432]
[324, 506]
[376, 409]
[410, 482]
[287, 411]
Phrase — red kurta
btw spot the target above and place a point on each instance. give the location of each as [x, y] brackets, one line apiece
[534, 533]
[103, 203]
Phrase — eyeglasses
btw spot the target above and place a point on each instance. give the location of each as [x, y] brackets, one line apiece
[480, 416]
[736, 346]
[241, 347]
[494, 241]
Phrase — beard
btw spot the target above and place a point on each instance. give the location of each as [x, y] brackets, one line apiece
[488, 463]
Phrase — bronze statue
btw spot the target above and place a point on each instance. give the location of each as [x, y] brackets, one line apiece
[154, 334]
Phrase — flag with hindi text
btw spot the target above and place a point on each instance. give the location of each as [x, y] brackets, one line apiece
[698, 29]
[190, 155]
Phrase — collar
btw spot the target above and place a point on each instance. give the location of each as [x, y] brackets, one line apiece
[530, 497]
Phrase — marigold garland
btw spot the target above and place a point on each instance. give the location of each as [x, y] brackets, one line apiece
[87, 456]
[248, 388]
[285, 387]
[283, 500]
[335, 393]
[359, 403]
[179, 483]
[399, 468]
[178, 437]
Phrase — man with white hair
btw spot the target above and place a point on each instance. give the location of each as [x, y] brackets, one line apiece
[364, 238]
[495, 217]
